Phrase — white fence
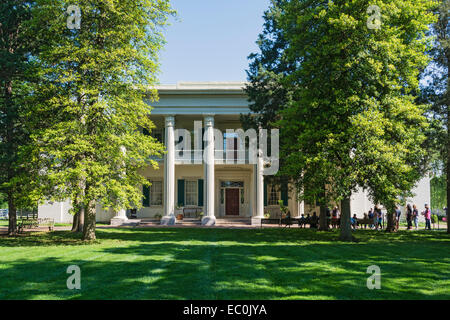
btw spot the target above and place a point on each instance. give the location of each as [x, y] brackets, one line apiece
[3, 213]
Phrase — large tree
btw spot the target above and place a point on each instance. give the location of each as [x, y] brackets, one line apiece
[96, 81]
[351, 120]
[17, 74]
[436, 91]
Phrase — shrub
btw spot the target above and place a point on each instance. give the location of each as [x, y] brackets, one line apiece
[434, 218]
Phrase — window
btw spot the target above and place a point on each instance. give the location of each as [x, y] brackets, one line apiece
[274, 195]
[191, 193]
[232, 184]
[156, 193]
[233, 137]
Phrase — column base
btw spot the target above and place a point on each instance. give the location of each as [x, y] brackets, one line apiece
[168, 220]
[256, 220]
[208, 221]
[117, 221]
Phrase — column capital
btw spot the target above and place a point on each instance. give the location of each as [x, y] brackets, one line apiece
[170, 121]
[209, 121]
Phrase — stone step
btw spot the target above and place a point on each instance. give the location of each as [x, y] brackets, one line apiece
[129, 222]
[196, 222]
[233, 221]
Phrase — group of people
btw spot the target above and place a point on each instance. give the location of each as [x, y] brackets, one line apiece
[374, 218]
[412, 215]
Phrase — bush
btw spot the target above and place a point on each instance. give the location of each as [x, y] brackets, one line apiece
[434, 218]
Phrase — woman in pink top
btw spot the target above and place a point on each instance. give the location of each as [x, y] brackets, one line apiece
[427, 214]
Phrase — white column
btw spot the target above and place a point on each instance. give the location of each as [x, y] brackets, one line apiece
[208, 157]
[119, 218]
[301, 208]
[120, 215]
[259, 186]
[169, 173]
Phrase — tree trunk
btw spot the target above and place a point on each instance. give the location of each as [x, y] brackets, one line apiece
[346, 229]
[89, 227]
[12, 214]
[10, 121]
[78, 220]
[448, 149]
[75, 222]
[323, 221]
[390, 221]
[81, 219]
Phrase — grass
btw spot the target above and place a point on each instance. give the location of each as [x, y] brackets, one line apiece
[4, 223]
[185, 263]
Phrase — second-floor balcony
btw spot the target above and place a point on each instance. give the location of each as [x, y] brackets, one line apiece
[220, 157]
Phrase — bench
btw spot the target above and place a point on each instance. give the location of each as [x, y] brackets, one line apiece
[30, 223]
[364, 221]
[280, 221]
[314, 221]
[192, 212]
[270, 221]
[289, 221]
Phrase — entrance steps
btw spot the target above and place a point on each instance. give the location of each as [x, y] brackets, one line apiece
[187, 222]
[233, 221]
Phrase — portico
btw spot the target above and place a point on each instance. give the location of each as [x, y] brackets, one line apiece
[209, 172]
[229, 189]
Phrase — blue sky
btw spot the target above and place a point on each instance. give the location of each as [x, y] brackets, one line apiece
[211, 39]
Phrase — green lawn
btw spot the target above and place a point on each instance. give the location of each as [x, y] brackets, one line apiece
[182, 263]
[4, 223]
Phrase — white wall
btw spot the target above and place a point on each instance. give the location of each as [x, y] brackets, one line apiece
[59, 211]
[360, 202]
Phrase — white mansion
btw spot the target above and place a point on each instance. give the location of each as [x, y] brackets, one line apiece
[212, 177]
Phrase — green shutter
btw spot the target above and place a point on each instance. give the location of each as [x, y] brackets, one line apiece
[146, 194]
[203, 141]
[265, 193]
[200, 192]
[284, 193]
[181, 192]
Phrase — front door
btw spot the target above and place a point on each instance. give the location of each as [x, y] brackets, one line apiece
[232, 202]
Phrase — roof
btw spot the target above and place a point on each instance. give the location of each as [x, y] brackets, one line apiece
[201, 98]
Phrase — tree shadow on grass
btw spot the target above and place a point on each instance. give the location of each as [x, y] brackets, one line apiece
[238, 264]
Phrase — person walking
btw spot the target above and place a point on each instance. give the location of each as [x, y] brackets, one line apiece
[378, 218]
[415, 217]
[398, 213]
[427, 214]
[335, 217]
[371, 219]
[409, 213]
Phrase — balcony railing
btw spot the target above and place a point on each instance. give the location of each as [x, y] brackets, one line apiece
[220, 157]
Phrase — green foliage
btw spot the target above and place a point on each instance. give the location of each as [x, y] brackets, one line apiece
[350, 117]
[438, 192]
[284, 209]
[96, 82]
[3, 202]
[266, 70]
[436, 88]
[437, 93]
[17, 81]
[434, 218]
